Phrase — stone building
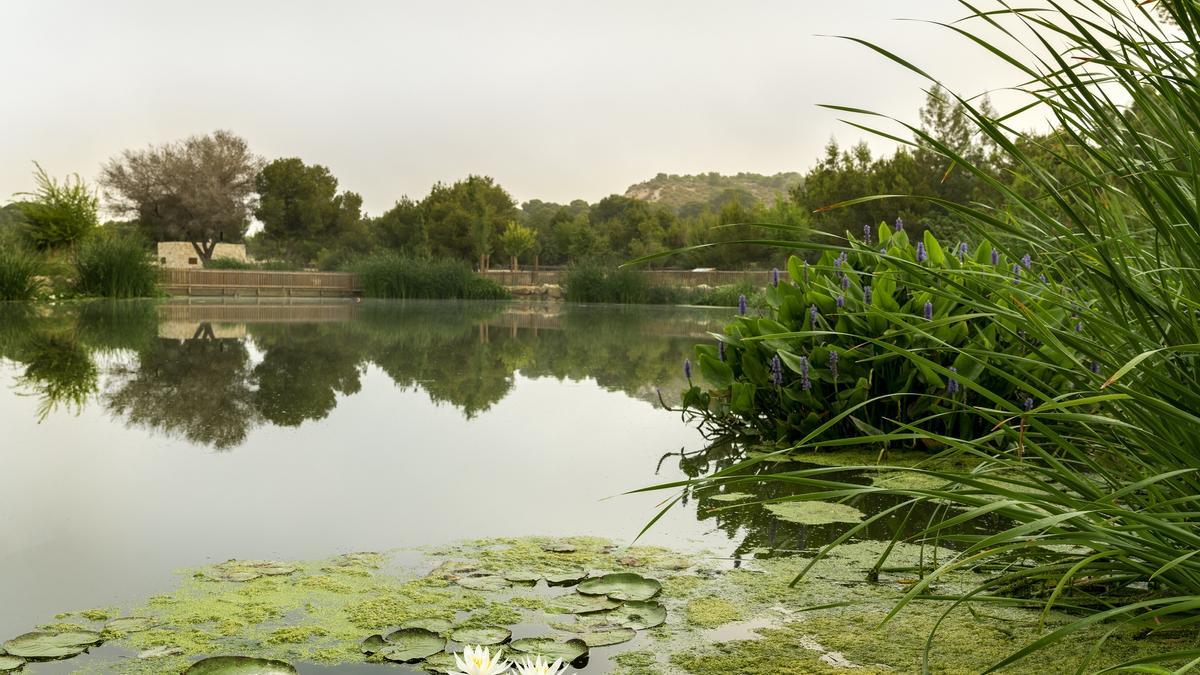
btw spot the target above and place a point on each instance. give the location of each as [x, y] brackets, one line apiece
[182, 255]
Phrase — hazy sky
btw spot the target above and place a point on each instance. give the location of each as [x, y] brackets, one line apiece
[558, 99]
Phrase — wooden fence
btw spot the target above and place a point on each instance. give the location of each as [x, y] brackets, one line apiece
[258, 283]
[656, 277]
[202, 282]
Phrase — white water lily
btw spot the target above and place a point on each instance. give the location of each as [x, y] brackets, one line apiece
[479, 661]
[539, 667]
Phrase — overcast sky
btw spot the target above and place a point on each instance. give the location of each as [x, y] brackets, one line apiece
[557, 100]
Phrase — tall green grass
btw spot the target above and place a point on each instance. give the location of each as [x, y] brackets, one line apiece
[18, 275]
[115, 267]
[392, 276]
[593, 282]
[1100, 484]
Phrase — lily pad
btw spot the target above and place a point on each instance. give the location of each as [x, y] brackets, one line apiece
[523, 576]
[412, 644]
[565, 577]
[11, 663]
[488, 583]
[731, 497]
[487, 635]
[604, 638]
[52, 645]
[814, 512]
[621, 586]
[130, 624]
[442, 662]
[239, 665]
[549, 648]
[433, 624]
[636, 615]
[581, 604]
[373, 644]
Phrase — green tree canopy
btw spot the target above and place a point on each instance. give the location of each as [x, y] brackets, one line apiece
[463, 219]
[58, 214]
[301, 209]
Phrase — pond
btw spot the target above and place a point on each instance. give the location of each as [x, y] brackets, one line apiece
[142, 438]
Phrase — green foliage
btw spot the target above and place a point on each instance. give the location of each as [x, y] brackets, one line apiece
[517, 240]
[115, 267]
[1096, 488]
[18, 274]
[301, 210]
[226, 263]
[593, 282]
[463, 219]
[869, 343]
[392, 276]
[59, 214]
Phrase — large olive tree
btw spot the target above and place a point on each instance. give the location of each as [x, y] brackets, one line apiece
[200, 189]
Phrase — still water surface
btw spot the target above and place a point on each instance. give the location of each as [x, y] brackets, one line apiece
[141, 438]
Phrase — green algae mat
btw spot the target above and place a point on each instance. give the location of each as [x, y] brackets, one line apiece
[631, 611]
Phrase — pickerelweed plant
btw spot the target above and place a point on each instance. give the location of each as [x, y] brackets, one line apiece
[887, 335]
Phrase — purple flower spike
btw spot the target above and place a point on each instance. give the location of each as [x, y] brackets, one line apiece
[841, 301]
[721, 351]
[805, 383]
[928, 311]
[1078, 326]
[742, 304]
[883, 249]
[899, 224]
[995, 257]
[1042, 278]
[687, 368]
[1027, 261]
[845, 283]
[962, 251]
[1016, 269]
[1096, 367]
[775, 277]
[813, 314]
[776, 371]
[867, 294]
[922, 255]
[867, 234]
[1028, 404]
[833, 357]
[952, 384]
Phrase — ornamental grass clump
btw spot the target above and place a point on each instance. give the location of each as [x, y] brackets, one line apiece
[18, 275]
[890, 328]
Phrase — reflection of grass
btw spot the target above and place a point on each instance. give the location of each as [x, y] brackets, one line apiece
[60, 371]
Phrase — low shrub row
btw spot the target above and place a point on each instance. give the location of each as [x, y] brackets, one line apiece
[393, 276]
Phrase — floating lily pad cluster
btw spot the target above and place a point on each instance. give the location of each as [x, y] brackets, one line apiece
[53, 645]
[607, 610]
[239, 665]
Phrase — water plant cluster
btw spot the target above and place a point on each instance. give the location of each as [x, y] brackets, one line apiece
[839, 339]
[596, 282]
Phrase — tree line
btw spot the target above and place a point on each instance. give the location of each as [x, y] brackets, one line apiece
[209, 189]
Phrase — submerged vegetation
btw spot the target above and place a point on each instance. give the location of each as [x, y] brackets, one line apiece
[1091, 467]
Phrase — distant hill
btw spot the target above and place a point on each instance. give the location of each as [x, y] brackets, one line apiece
[677, 191]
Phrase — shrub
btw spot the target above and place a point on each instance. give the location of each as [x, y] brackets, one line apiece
[115, 267]
[846, 337]
[227, 263]
[59, 214]
[392, 276]
[18, 274]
